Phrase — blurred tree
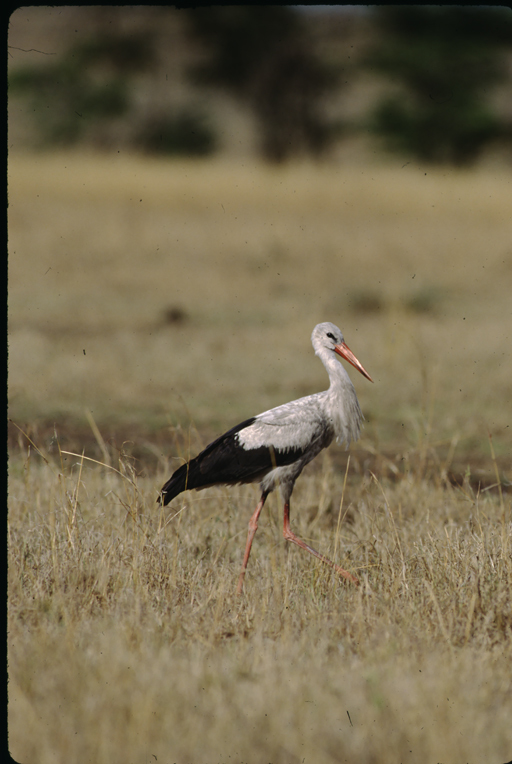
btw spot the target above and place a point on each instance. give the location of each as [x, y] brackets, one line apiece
[78, 97]
[264, 57]
[187, 132]
[85, 86]
[446, 61]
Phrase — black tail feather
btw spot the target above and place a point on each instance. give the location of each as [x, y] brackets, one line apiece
[225, 461]
[176, 484]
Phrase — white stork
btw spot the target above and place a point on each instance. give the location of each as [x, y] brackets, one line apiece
[273, 448]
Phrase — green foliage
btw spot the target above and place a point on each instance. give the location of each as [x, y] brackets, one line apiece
[187, 132]
[122, 53]
[88, 84]
[265, 57]
[237, 38]
[452, 132]
[64, 101]
[92, 84]
[445, 60]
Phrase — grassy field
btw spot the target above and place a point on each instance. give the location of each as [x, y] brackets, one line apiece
[154, 304]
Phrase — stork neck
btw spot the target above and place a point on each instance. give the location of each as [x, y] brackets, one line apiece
[342, 406]
[338, 377]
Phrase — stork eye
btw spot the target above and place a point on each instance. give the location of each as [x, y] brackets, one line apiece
[331, 336]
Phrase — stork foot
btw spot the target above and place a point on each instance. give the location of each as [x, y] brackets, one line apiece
[290, 536]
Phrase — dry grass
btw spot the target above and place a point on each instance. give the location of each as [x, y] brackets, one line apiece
[100, 249]
[126, 640]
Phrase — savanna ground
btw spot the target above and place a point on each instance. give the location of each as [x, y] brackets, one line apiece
[151, 306]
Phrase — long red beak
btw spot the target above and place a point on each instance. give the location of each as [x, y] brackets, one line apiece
[348, 355]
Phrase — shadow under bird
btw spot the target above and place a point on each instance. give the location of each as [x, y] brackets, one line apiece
[273, 448]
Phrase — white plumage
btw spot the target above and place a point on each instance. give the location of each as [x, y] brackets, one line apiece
[275, 446]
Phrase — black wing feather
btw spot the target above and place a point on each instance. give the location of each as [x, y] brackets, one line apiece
[225, 461]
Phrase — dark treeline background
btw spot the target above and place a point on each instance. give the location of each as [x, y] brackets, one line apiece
[280, 82]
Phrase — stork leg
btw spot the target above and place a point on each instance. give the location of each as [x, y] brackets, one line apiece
[253, 527]
[290, 536]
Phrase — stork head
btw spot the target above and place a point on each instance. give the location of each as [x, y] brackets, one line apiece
[327, 336]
